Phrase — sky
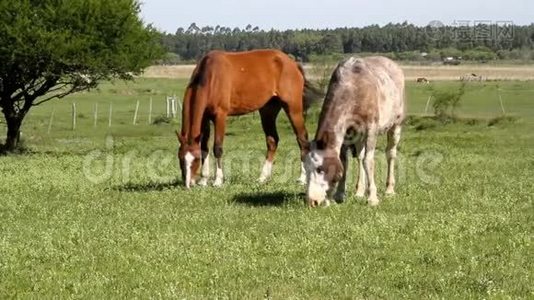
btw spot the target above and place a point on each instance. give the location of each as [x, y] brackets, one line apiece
[168, 15]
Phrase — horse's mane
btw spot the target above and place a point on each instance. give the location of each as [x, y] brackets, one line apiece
[198, 78]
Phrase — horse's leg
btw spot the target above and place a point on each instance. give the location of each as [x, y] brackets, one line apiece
[295, 114]
[220, 128]
[360, 185]
[205, 172]
[369, 166]
[268, 122]
[339, 196]
[391, 154]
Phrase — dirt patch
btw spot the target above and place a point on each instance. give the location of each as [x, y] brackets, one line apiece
[437, 72]
[180, 72]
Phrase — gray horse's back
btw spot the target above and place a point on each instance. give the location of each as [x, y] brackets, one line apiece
[387, 97]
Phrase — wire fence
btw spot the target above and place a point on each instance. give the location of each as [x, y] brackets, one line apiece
[111, 113]
[79, 114]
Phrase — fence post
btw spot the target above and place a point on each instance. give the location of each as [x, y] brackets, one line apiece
[150, 112]
[427, 104]
[95, 115]
[173, 107]
[110, 113]
[51, 120]
[73, 115]
[179, 107]
[136, 112]
[500, 100]
[168, 107]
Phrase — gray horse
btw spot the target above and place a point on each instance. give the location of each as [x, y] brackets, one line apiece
[365, 98]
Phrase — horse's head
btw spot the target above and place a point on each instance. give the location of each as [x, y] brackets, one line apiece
[189, 155]
[323, 172]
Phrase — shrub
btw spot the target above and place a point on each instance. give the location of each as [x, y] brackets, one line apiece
[503, 120]
[446, 102]
[162, 120]
[322, 71]
[421, 122]
[170, 58]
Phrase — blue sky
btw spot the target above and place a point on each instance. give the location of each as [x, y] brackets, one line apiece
[168, 15]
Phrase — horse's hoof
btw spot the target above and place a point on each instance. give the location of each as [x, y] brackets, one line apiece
[263, 180]
[203, 182]
[373, 202]
[339, 198]
[217, 183]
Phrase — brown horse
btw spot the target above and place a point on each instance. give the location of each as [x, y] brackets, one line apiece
[228, 84]
[365, 97]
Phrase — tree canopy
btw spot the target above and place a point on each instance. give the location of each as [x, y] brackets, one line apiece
[51, 48]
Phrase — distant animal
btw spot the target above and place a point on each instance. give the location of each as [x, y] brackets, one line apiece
[365, 97]
[472, 77]
[422, 80]
[230, 84]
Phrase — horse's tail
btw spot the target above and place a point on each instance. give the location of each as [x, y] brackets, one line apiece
[311, 93]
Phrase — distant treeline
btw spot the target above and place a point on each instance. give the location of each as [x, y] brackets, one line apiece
[404, 41]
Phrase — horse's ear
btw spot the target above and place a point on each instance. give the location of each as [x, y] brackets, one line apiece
[180, 137]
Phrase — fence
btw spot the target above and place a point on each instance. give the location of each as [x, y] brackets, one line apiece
[126, 112]
[500, 101]
[116, 113]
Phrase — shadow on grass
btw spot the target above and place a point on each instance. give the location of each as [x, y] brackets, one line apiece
[147, 187]
[266, 199]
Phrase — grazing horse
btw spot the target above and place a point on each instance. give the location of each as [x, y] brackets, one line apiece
[365, 97]
[228, 84]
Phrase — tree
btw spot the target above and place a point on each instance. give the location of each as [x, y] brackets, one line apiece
[52, 48]
[193, 29]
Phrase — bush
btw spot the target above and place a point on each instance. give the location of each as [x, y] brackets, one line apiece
[322, 71]
[523, 54]
[170, 58]
[430, 122]
[450, 52]
[446, 102]
[503, 120]
[480, 54]
[409, 56]
[422, 122]
[160, 120]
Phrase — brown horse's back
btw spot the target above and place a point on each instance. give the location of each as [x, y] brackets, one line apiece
[242, 82]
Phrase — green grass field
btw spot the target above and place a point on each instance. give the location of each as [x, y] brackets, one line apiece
[99, 212]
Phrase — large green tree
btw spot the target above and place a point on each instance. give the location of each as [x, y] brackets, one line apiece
[52, 48]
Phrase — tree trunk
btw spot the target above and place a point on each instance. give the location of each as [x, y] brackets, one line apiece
[13, 133]
[14, 116]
